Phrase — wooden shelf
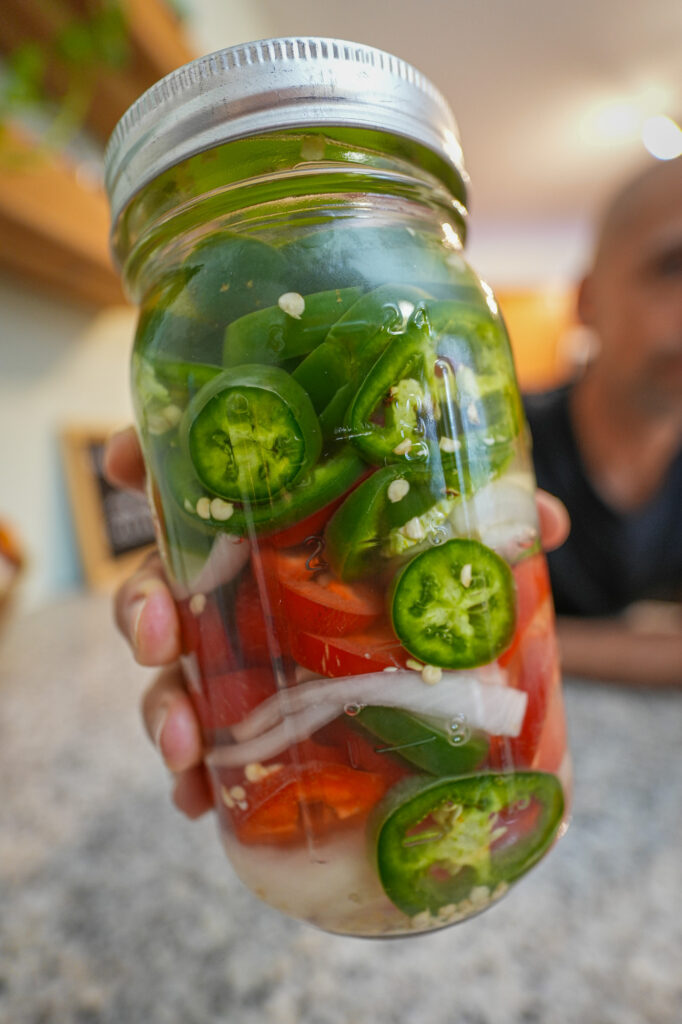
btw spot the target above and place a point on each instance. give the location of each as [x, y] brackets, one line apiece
[54, 229]
[53, 226]
[156, 41]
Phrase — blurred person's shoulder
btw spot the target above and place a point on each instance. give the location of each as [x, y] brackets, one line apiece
[548, 415]
[546, 403]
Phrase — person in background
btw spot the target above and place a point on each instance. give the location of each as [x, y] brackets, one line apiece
[609, 445]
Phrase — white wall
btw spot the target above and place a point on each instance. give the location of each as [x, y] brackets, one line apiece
[59, 365]
[524, 255]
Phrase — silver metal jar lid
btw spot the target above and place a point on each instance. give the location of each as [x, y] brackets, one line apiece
[267, 85]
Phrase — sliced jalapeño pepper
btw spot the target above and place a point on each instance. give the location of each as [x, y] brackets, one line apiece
[391, 418]
[231, 275]
[275, 336]
[454, 605]
[361, 535]
[333, 372]
[442, 842]
[251, 432]
[184, 378]
[445, 385]
[344, 252]
[421, 743]
[326, 481]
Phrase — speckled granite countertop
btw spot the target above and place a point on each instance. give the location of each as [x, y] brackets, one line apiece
[115, 910]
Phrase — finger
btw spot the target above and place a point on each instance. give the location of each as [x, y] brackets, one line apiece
[123, 462]
[171, 722]
[172, 725]
[555, 523]
[192, 793]
[146, 614]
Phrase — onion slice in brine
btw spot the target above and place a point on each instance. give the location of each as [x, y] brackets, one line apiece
[294, 714]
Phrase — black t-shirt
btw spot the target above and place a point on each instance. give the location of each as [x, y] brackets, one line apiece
[610, 559]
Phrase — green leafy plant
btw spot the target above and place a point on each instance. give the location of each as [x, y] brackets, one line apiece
[74, 57]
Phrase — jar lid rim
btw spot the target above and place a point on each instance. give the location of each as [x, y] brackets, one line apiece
[257, 87]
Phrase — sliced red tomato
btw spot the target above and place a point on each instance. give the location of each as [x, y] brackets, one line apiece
[360, 752]
[229, 697]
[534, 668]
[370, 651]
[259, 635]
[315, 600]
[530, 661]
[553, 740]
[204, 635]
[312, 526]
[532, 589]
[296, 802]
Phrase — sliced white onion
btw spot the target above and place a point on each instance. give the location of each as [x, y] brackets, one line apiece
[502, 514]
[227, 557]
[289, 701]
[494, 708]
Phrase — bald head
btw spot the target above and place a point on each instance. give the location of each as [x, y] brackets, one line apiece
[632, 296]
[656, 189]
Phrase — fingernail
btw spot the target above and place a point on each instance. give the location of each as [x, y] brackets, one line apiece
[158, 726]
[136, 611]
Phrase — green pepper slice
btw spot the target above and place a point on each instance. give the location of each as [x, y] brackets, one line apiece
[448, 384]
[358, 536]
[182, 378]
[333, 372]
[398, 389]
[454, 605]
[251, 432]
[439, 841]
[365, 256]
[326, 481]
[422, 744]
[231, 275]
[274, 336]
[171, 328]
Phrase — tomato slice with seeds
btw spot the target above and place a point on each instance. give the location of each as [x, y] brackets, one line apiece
[313, 600]
[371, 651]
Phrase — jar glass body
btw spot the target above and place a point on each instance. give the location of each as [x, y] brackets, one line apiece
[339, 471]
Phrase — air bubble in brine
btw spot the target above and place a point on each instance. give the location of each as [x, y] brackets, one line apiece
[459, 731]
[237, 404]
[352, 709]
[276, 339]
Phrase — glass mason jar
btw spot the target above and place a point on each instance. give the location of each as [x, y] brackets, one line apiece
[339, 469]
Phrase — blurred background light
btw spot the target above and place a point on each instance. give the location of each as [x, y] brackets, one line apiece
[662, 137]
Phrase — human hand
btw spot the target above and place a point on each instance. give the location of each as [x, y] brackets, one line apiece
[146, 615]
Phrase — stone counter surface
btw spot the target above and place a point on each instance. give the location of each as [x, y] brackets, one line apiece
[115, 910]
